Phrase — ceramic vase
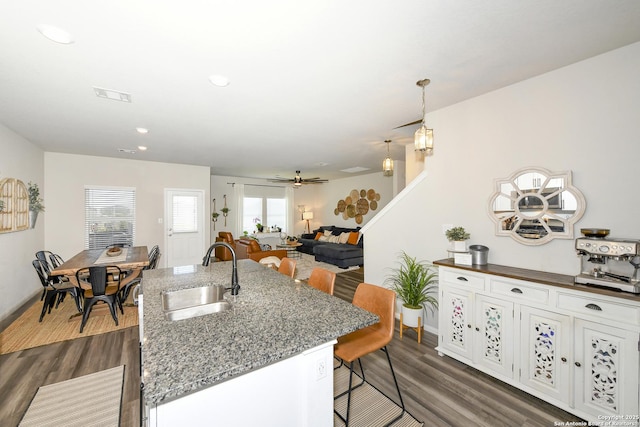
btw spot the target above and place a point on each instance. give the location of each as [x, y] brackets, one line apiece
[410, 316]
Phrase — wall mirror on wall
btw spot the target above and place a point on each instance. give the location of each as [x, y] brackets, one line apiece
[534, 206]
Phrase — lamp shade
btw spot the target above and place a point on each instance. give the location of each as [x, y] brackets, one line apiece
[387, 167]
[424, 139]
[307, 215]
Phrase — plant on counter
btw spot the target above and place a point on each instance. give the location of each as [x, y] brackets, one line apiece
[35, 201]
[458, 237]
[259, 226]
[457, 234]
[415, 283]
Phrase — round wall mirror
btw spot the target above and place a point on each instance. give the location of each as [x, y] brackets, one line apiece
[534, 206]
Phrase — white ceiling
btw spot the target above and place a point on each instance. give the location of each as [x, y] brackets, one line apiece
[315, 85]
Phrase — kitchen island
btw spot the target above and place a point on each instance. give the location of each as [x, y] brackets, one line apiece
[266, 361]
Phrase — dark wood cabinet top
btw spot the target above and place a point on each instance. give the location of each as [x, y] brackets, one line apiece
[536, 276]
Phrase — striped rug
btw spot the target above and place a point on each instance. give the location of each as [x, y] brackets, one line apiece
[89, 401]
[369, 407]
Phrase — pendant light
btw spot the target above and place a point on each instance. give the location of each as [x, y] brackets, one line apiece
[387, 164]
[424, 137]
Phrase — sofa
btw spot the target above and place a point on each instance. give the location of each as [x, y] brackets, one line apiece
[222, 253]
[334, 245]
[250, 248]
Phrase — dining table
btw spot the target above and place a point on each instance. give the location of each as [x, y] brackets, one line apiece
[132, 260]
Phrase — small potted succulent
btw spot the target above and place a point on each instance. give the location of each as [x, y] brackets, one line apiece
[458, 237]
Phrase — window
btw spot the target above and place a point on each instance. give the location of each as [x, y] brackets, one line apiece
[109, 216]
[185, 214]
[266, 203]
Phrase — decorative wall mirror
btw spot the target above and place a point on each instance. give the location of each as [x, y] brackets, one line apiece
[534, 206]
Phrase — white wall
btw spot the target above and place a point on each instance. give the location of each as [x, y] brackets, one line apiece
[18, 281]
[330, 193]
[582, 118]
[321, 199]
[66, 176]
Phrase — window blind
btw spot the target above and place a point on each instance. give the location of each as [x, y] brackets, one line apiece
[109, 216]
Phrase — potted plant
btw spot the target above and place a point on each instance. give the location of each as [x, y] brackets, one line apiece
[259, 226]
[458, 237]
[1, 205]
[35, 203]
[415, 283]
[214, 218]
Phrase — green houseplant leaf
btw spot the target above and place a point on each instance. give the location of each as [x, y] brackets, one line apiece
[35, 201]
[415, 283]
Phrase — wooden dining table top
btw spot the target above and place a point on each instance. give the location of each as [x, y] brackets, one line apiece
[137, 258]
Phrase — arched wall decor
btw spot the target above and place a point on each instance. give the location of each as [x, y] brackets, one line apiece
[15, 212]
[534, 206]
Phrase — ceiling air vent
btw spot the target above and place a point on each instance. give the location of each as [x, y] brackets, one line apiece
[126, 150]
[112, 94]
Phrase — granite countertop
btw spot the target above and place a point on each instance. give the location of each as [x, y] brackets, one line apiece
[273, 318]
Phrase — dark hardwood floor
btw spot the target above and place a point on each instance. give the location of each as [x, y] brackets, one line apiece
[437, 390]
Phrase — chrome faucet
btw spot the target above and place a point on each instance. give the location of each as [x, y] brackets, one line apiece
[235, 286]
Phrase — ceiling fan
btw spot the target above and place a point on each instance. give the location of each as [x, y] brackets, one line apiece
[298, 181]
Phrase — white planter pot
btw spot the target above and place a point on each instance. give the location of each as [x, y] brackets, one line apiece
[410, 317]
[459, 245]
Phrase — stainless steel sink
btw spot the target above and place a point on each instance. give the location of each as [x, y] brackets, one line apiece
[188, 303]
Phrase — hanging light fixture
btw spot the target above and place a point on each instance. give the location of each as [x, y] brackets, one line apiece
[387, 164]
[424, 137]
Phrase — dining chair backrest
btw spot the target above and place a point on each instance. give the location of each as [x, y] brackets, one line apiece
[42, 272]
[44, 256]
[323, 280]
[154, 255]
[56, 260]
[100, 278]
[287, 267]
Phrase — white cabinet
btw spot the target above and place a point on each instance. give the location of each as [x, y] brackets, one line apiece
[606, 369]
[576, 349]
[475, 327]
[546, 349]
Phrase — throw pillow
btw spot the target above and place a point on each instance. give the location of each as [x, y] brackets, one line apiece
[354, 236]
[327, 233]
[323, 239]
[318, 235]
[344, 237]
[334, 239]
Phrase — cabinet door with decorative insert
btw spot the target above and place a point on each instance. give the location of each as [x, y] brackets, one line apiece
[545, 356]
[456, 321]
[493, 329]
[606, 369]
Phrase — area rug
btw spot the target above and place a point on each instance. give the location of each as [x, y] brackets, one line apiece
[369, 407]
[306, 263]
[63, 323]
[89, 401]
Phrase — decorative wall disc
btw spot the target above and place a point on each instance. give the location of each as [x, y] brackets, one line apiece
[357, 204]
[362, 207]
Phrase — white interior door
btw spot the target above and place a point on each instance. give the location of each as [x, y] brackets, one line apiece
[184, 232]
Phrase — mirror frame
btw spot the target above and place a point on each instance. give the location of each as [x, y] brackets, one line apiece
[545, 210]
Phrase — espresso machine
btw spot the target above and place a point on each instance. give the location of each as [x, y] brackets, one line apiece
[608, 263]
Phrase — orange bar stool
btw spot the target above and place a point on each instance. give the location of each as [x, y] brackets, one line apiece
[353, 346]
[323, 280]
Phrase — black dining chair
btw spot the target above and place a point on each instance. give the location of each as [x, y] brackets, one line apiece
[43, 256]
[54, 289]
[100, 283]
[154, 255]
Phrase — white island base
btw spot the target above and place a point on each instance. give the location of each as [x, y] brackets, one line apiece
[295, 392]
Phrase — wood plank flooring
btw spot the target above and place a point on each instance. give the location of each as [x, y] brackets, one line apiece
[437, 390]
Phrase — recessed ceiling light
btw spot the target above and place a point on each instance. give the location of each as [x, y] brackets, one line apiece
[55, 34]
[142, 130]
[218, 80]
[142, 148]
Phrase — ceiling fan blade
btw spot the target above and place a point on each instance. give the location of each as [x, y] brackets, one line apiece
[409, 124]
